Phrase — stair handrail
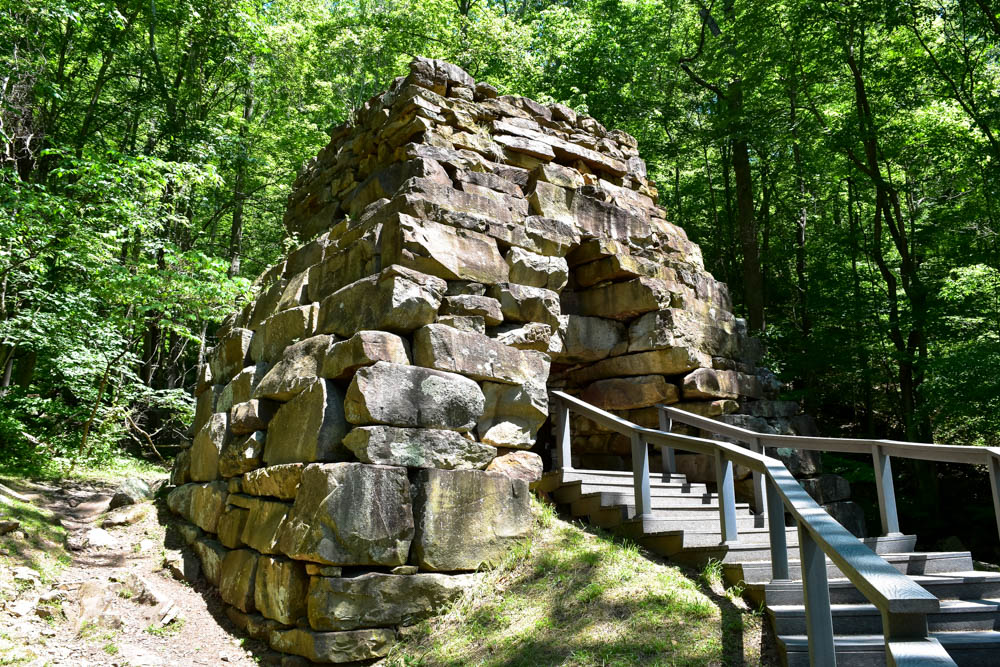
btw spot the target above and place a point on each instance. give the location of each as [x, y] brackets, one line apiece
[881, 452]
[902, 602]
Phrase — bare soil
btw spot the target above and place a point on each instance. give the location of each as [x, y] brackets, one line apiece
[106, 604]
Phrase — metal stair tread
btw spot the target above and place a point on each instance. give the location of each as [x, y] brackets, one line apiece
[947, 606]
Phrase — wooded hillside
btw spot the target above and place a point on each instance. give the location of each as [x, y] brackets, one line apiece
[838, 162]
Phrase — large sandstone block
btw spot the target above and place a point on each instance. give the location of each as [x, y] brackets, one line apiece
[437, 75]
[710, 383]
[341, 268]
[520, 303]
[207, 446]
[363, 349]
[241, 454]
[629, 393]
[231, 525]
[528, 268]
[378, 599]
[334, 647]
[211, 554]
[280, 481]
[230, 355]
[412, 396]
[252, 415]
[264, 523]
[236, 583]
[205, 406]
[281, 589]
[442, 251]
[587, 339]
[397, 300]
[281, 330]
[659, 362]
[513, 414]
[674, 327]
[417, 448]
[326, 525]
[465, 518]
[445, 348]
[526, 466]
[309, 427]
[465, 305]
[624, 301]
[240, 387]
[298, 369]
[201, 504]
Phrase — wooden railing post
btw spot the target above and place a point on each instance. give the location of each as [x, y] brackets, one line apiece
[727, 498]
[669, 457]
[776, 530]
[816, 592]
[759, 500]
[562, 435]
[886, 491]
[640, 477]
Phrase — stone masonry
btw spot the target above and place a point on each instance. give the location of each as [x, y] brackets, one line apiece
[367, 428]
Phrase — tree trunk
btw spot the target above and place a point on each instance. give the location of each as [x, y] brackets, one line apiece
[753, 283]
[239, 184]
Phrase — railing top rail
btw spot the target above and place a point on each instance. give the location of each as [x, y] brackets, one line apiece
[883, 585]
[910, 450]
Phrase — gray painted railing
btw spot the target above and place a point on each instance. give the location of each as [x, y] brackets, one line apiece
[903, 604]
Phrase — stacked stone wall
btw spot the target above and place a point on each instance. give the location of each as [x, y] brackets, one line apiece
[367, 427]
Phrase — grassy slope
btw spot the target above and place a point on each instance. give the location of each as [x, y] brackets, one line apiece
[570, 596]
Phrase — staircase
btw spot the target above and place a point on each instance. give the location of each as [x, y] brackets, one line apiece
[685, 527]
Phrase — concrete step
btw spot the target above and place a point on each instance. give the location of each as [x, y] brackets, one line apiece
[967, 649]
[863, 619]
[657, 490]
[940, 562]
[950, 586]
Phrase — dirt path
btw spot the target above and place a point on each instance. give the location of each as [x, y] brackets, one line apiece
[112, 602]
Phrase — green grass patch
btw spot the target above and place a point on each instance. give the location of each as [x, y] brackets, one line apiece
[567, 596]
[168, 630]
[42, 549]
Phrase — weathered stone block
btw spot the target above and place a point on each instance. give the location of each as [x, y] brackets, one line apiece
[281, 589]
[529, 336]
[281, 330]
[587, 339]
[624, 301]
[526, 466]
[231, 525]
[298, 369]
[472, 305]
[207, 445]
[363, 349]
[340, 269]
[520, 303]
[378, 599]
[236, 583]
[827, 488]
[630, 393]
[417, 448]
[241, 454]
[211, 554]
[397, 300]
[465, 518]
[527, 268]
[264, 523]
[309, 427]
[513, 414]
[471, 323]
[334, 647]
[710, 383]
[252, 415]
[201, 504]
[280, 481]
[181, 471]
[230, 355]
[447, 349]
[412, 396]
[205, 407]
[326, 526]
[442, 251]
[659, 362]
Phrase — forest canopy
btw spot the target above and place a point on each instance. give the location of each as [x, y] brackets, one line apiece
[838, 163]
